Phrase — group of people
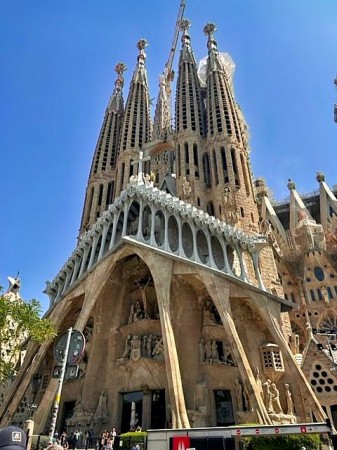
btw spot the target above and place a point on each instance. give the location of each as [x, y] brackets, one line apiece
[72, 442]
[109, 440]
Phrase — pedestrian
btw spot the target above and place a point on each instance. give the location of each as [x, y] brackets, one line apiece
[12, 438]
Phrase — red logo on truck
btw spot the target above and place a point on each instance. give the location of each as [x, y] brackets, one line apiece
[181, 443]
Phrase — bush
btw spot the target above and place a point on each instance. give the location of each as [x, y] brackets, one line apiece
[132, 438]
[288, 442]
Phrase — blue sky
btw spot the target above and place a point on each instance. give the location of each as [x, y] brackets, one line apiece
[57, 74]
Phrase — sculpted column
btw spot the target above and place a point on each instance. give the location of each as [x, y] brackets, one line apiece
[161, 269]
[219, 293]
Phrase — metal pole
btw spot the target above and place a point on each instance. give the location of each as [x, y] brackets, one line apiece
[59, 389]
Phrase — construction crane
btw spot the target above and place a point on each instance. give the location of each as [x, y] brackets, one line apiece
[163, 126]
[169, 74]
[335, 105]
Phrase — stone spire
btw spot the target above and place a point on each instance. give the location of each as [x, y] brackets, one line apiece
[189, 107]
[226, 162]
[136, 130]
[189, 121]
[223, 115]
[101, 184]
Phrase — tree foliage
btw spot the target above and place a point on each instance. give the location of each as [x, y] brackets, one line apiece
[20, 320]
[288, 442]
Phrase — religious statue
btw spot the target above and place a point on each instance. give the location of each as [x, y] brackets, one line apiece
[215, 353]
[186, 188]
[149, 346]
[238, 394]
[127, 349]
[208, 315]
[289, 399]
[275, 399]
[135, 353]
[227, 355]
[102, 413]
[267, 396]
[259, 382]
[208, 351]
[201, 351]
[158, 351]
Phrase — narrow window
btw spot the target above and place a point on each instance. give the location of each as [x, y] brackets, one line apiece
[100, 194]
[187, 158]
[207, 173]
[216, 175]
[196, 162]
[245, 175]
[224, 164]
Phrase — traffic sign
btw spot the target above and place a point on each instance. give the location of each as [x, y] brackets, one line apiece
[76, 347]
[277, 430]
[70, 374]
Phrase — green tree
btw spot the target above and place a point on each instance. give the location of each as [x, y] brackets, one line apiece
[20, 320]
[288, 442]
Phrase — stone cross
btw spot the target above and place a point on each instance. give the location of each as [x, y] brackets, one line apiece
[140, 166]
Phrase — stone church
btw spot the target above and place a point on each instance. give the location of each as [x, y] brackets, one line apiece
[199, 298]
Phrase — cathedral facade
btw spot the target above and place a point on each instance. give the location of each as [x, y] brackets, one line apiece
[191, 294]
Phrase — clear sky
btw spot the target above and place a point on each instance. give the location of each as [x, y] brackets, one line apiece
[57, 73]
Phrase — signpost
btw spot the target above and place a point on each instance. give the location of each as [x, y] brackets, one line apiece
[69, 350]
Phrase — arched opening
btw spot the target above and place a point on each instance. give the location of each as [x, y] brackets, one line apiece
[202, 247]
[173, 233]
[108, 238]
[159, 228]
[233, 260]
[119, 225]
[187, 237]
[217, 253]
[146, 225]
[133, 219]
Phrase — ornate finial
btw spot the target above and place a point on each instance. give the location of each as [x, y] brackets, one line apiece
[291, 185]
[209, 30]
[119, 69]
[141, 44]
[184, 26]
[320, 176]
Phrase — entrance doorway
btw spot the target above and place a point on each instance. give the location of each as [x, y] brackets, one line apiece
[224, 408]
[145, 409]
[68, 412]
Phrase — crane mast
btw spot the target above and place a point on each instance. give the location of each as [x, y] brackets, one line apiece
[168, 65]
[162, 122]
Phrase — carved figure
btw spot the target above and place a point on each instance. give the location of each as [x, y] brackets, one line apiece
[127, 348]
[186, 188]
[149, 346]
[267, 396]
[158, 351]
[215, 353]
[201, 351]
[144, 299]
[208, 315]
[208, 351]
[275, 399]
[102, 413]
[132, 311]
[135, 353]
[289, 399]
[238, 394]
[259, 382]
[227, 356]
[138, 312]
[144, 339]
